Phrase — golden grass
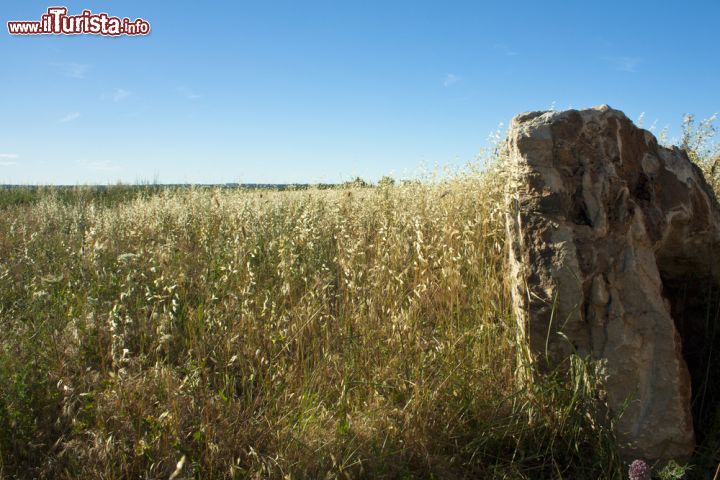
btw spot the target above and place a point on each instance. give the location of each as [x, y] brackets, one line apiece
[344, 333]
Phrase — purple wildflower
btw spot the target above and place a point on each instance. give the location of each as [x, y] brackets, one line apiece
[639, 470]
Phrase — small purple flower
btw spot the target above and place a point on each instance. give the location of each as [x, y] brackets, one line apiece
[639, 470]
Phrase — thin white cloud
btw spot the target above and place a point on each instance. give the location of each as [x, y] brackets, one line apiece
[72, 70]
[504, 49]
[120, 94]
[70, 117]
[8, 159]
[623, 63]
[187, 92]
[451, 79]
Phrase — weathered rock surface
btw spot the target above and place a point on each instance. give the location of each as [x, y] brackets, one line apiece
[609, 232]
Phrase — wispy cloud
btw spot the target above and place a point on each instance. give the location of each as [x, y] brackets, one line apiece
[504, 49]
[8, 159]
[120, 94]
[451, 79]
[187, 92]
[623, 63]
[70, 117]
[72, 70]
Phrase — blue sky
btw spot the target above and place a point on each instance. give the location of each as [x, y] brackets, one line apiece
[321, 91]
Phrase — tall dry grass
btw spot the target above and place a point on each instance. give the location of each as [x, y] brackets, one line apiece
[344, 333]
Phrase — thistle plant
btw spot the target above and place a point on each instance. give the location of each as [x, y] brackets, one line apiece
[639, 470]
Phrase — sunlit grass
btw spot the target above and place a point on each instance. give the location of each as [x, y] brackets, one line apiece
[353, 332]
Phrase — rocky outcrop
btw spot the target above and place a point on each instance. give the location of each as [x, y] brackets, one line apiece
[612, 241]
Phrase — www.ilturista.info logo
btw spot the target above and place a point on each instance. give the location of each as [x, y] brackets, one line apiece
[57, 22]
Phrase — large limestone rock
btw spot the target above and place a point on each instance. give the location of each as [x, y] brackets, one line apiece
[612, 239]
